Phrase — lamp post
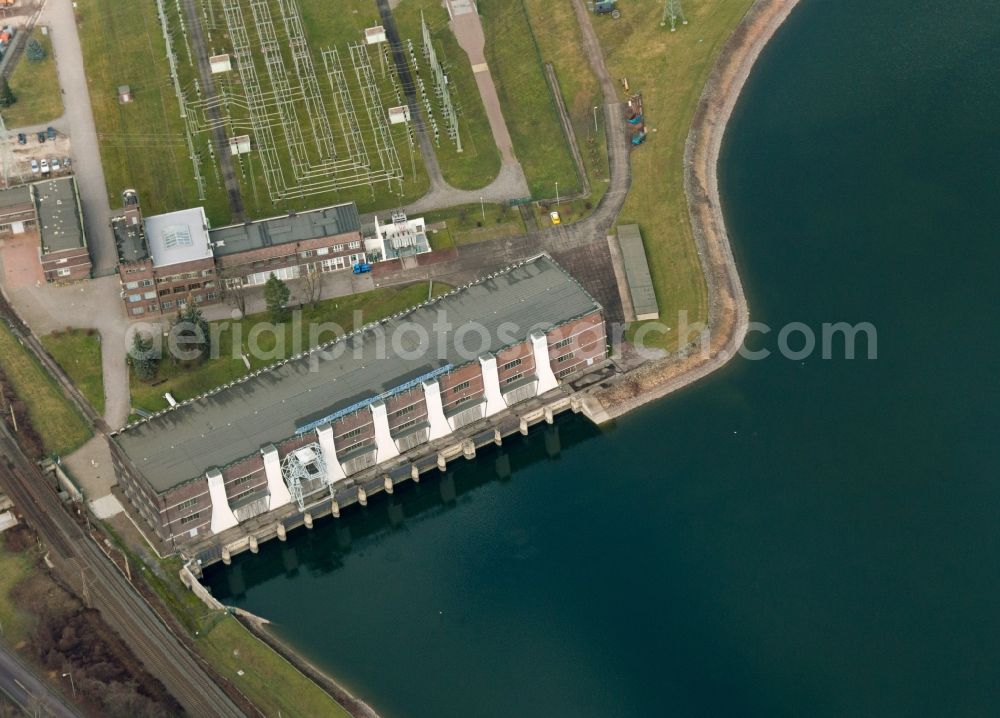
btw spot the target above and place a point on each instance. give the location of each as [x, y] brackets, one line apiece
[482, 208]
[595, 119]
[71, 684]
[557, 194]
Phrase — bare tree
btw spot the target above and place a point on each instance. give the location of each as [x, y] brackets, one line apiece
[312, 282]
[234, 291]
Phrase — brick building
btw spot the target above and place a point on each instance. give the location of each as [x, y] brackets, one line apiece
[323, 239]
[288, 434]
[64, 254]
[163, 261]
[165, 258]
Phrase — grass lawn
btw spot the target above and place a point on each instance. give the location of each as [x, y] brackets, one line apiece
[479, 162]
[78, 352]
[58, 423]
[465, 224]
[272, 683]
[559, 42]
[142, 142]
[16, 625]
[670, 69]
[36, 87]
[528, 107]
[289, 339]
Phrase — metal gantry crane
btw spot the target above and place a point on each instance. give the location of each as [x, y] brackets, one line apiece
[673, 11]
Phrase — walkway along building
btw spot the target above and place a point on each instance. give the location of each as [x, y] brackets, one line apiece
[289, 434]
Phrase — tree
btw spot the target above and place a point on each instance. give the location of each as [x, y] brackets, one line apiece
[144, 362]
[7, 97]
[192, 332]
[35, 52]
[276, 294]
[312, 280]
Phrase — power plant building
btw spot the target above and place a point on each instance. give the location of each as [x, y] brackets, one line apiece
[289, 435]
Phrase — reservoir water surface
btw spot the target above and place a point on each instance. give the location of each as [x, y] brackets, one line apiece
[809, 537]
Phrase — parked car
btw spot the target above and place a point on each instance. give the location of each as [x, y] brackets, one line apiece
[554, 217]
[52, 133]
[22, 139]
[362, 268]
[41, 137]
[54, 164]
[45, 167]
[34, 167]
[67, 162]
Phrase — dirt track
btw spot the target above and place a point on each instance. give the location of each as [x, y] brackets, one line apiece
[728, 312]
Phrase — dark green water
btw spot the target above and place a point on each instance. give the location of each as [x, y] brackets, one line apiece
[787, 537]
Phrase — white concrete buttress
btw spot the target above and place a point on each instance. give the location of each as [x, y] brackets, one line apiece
[334, 471]
[435, 410]
[280, 495]
[491, 385]
[543, 367]
[222, 516]
[383, 437]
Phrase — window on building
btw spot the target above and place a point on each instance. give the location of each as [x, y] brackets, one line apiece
[183, 505]
[405, 410]
[307, 253]
[240, 481]
[564, 358]
[194, 287]
[511, 364]
[62, 261]
[167, 305]
[512, 379]
[145, 282]
[461, 387]
[199, 299]
[190, 518]
[337, 248]
[243, 494]
[63, 272]
[563, 343]
[131, 297]
[210, 296]
[406, 424]
[149, 295]
[354, 245]
[138, 310]
[323, 250]
[563, 372]
[131, 285]
[164, 292]
[350, 434]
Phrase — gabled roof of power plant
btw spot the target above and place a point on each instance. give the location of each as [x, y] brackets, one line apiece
[313, 224]
[235, 421]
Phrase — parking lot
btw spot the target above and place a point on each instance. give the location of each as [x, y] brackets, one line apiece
[51, 151]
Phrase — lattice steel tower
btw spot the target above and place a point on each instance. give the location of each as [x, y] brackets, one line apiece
[673, 11]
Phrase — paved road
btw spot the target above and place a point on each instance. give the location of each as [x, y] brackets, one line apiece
[78, 121]
[28, 691]
[83, 565]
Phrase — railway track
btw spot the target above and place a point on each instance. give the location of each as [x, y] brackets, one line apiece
[81, 561]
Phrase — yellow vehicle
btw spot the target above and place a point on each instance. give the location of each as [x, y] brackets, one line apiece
[554, 216]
